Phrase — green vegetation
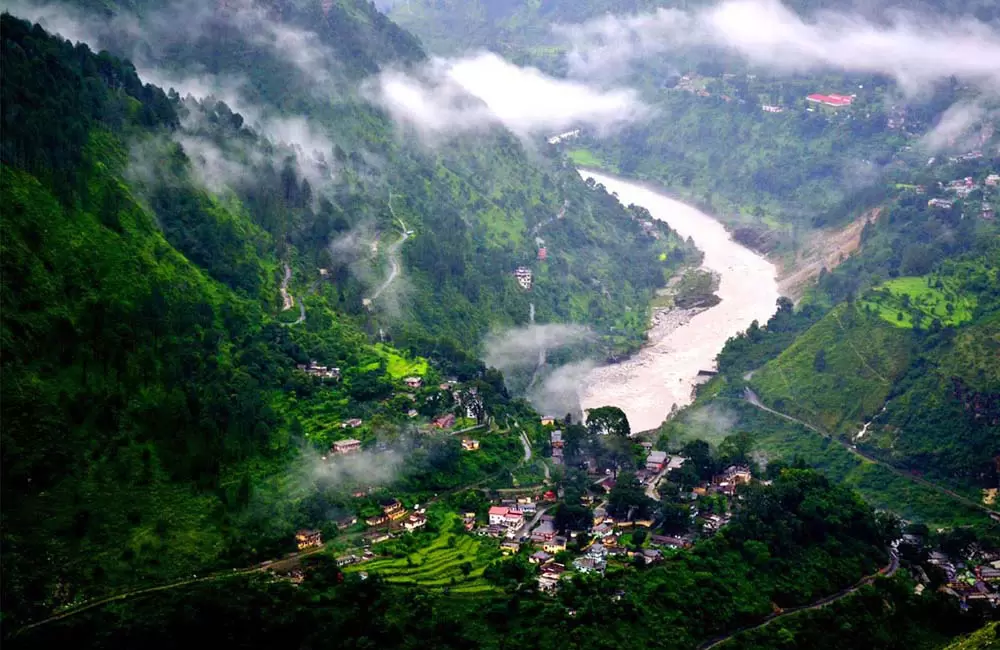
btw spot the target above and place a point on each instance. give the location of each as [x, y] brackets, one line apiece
[838, 373]
[453, 560]
[906, 302]
[586, 158]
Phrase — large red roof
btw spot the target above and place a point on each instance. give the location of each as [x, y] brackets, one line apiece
[831, 100]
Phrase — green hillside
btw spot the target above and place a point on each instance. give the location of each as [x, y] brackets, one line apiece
[838, 373]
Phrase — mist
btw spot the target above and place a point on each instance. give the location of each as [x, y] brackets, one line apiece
[482, 91]
[558, 392]
[915, 50]
[520, 347]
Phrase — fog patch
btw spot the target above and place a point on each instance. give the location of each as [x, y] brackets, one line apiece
[712, 422]
[448, 97]
[957, 128]
[558, 392]
[521, 347]
[916, 50]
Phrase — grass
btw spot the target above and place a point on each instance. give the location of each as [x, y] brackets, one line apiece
[838, 373]
[586, 158]
[906, 302]
[440, 563]
[398, 366]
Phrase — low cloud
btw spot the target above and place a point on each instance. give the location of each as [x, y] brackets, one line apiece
[712, 422]
[366, 468]
[959, 127]
[481, 91]
[915, 50]
[558, 393]
[522, 347]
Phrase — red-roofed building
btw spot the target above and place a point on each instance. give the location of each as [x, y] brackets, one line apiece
[498, 515]
[543, 253]
[836, 101]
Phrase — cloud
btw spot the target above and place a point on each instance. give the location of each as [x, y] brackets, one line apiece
[954, 129]
[367, 468]
[915, 50]
[558, 392]
[521, 347]
[480, 91]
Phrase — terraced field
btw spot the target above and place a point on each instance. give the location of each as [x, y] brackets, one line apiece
[440, 564]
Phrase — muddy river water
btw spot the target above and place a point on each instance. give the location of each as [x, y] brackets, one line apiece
[664, 372]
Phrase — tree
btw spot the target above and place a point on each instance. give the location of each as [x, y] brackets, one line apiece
[675, 517]
[608, 420]
[737, 447]
[626, 495]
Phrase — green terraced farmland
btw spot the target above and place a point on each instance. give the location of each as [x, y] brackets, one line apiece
[440, 564]
[905, 300]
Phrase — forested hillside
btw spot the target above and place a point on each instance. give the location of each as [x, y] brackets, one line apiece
[145, 238]
[477, 207]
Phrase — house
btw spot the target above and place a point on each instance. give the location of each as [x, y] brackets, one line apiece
[548, 420]
[549, 576]
[544, 532]
[375, 537]
[738, 474]
[413, 382]
[540, 557]
[498, 515]
[412, 413]
[470, 445]
[767, 108]
[656, 461]
[568, 135]
[414, 522]
[353, 423]
[348, 446]
[944, 204]
[668, 541]
[837, 101]
[556, 439]
[444, 421]
[306, 538]
[523, 276]
[588, 565]
[993, 180]
[557, 457]
[510, 547]
[393, 509]
[346, 522]
[344, 560]
[323, 372]
[377, 520]
[513, 519]
[597, 551]
[555, 545]
[602, 530]
[543, 253]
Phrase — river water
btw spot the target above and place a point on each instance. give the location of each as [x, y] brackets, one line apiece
[664, 372]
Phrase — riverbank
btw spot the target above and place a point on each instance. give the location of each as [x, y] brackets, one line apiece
[662, 375]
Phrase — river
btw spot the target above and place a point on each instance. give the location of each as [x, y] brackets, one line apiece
[664, 372]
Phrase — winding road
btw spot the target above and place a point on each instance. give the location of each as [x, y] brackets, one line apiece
[393, 253]
[886, 571]
[288, 300]
[752, 398]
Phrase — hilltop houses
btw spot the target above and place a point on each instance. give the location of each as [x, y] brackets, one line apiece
[315, 370]
[942, 204]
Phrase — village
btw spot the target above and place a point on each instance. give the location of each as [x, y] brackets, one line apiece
[531, 523]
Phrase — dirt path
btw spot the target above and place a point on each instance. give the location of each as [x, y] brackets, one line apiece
[886, 571]
[753, 399]
[393, 253]
[288, 300]
[173, 585]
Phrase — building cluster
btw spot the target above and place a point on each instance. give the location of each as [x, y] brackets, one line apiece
[976, 581]
[315, 370]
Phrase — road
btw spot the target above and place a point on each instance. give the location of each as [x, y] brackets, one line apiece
[222, 575]
[526, 528]
[653, 482]
[753, 399]
[886, 571]
[288, 300]
[393, 253]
